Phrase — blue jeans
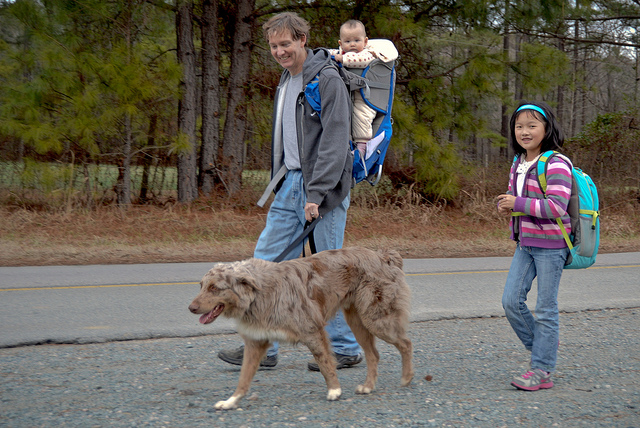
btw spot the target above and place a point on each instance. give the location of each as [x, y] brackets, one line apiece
[285, 222]
[539, 334]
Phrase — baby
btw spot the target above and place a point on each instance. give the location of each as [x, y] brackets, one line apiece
[355, 52]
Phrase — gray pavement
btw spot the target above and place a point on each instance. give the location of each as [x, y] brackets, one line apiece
[121, 349]
[84, 304]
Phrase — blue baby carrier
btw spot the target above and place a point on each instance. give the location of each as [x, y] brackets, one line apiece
[380, 81]
[376, 84]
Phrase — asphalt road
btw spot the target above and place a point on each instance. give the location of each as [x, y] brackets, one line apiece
[102, 303]
[464, 356]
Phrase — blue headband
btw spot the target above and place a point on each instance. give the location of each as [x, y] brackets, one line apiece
[532, 107]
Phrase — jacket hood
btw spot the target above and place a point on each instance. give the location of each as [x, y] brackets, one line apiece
[316, 60]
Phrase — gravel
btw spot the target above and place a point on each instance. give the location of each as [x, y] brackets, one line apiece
[175, 382]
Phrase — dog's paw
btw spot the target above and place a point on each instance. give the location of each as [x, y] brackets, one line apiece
[229, 404]
[334, 394]
[361, 389]
[407, 381]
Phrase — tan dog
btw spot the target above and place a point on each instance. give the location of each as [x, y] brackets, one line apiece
[292, 301]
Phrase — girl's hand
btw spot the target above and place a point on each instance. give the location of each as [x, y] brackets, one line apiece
[506, 203]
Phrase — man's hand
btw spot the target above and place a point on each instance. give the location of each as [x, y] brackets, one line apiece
[311, 211]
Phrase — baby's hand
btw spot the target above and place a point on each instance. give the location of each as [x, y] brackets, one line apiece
[338, 58]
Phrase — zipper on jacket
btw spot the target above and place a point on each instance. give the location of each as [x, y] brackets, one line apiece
[300, 128]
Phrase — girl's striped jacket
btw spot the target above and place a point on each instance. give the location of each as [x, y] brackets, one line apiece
[538, 227]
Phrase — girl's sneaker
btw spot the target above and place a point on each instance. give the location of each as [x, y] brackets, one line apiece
[533, 380]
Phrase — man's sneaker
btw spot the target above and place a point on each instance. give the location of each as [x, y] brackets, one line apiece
[533, 380]
[234, 356]
[343, 361]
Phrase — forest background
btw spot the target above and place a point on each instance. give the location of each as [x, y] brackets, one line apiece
[139, 130]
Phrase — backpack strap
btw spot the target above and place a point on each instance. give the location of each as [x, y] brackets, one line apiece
[542, 178]
[278, 176]
[312, 89]
[541, 168]
[543, 162]
[312, 93]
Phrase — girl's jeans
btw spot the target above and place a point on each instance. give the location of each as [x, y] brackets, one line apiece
[540, 333]
[285, 222]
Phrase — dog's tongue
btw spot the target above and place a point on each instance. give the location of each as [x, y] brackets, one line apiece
[211, 316]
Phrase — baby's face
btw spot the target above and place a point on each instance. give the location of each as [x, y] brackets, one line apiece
[352, 39]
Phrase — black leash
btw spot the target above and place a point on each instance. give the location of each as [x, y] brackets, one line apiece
[308, 229]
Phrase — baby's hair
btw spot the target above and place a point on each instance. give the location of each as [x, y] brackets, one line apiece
[353, 23]
[553, 136]
[287, 21]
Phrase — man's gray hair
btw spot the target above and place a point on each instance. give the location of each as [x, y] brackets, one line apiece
[287, 21]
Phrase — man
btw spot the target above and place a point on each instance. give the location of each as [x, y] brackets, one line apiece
[311, 149]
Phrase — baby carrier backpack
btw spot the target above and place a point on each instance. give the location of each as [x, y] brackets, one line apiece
[583, 211]
[376, 84]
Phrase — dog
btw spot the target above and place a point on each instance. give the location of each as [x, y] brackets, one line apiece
[293, 300]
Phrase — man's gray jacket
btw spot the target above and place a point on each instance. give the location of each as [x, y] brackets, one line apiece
[323, 138]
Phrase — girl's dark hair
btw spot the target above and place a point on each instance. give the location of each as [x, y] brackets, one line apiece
[553, 137]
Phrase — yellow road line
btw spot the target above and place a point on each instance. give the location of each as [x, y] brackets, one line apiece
[73, 287]
[614, 267]
[455, 273]
[504, 271]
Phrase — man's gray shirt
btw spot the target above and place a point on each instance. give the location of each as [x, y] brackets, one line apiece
[289, 130]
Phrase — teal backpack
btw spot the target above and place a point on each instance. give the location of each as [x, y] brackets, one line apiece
[583, 209]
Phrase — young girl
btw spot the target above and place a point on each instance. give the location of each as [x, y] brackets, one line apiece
[541, 249]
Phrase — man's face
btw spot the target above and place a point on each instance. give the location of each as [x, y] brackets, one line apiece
[289, 53]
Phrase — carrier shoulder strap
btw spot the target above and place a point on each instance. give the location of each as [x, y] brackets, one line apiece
[277, 177]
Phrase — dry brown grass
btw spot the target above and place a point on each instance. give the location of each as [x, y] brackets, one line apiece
[201, 233]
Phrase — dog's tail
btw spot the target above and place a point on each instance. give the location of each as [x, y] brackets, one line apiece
[392, 257]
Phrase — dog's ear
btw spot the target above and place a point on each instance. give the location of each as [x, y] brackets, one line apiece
[249, 282]
[245, 287]
[209, 280]
[392, 258]
[244, 277]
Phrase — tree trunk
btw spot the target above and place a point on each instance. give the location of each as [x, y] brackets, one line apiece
[210, 96]
[123, 186]
[232, 161]
[504, 111]
[519, 92]
[637, 80]
[146, 159]
[187, 106]
[583, 90]
[560, 108]
[574, 99]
